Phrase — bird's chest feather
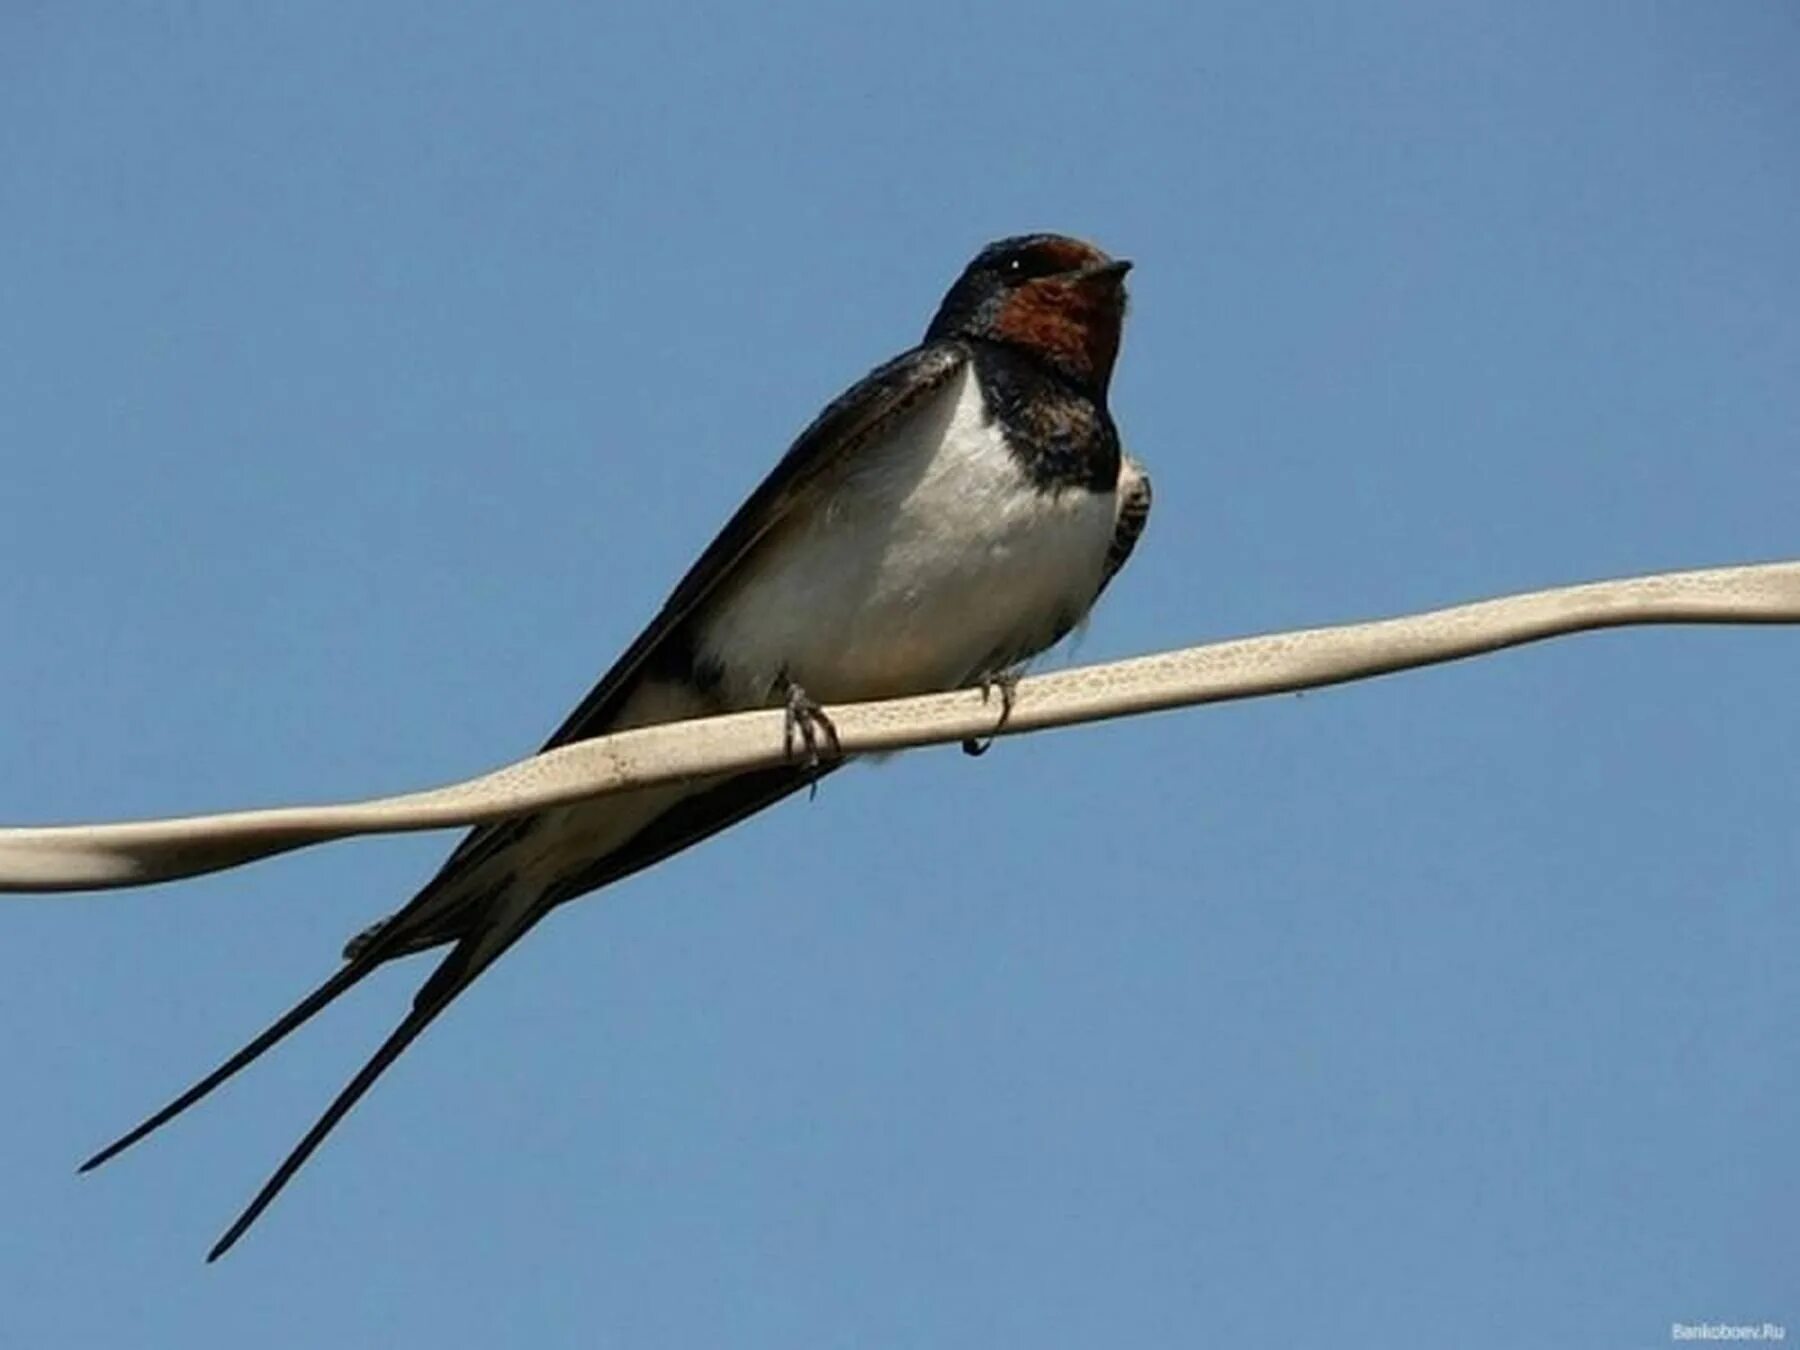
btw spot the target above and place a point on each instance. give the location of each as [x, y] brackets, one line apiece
[929, 561]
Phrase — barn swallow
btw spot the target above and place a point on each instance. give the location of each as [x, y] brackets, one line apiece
[953, 514]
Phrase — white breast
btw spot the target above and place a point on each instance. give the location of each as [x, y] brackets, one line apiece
[935, 561]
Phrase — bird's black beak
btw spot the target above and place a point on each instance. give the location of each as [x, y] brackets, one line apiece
[1109, 271]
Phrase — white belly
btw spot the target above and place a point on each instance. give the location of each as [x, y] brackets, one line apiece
[935, 562]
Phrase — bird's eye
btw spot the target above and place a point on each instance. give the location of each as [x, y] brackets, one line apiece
[1024, 266]
[1018, 263]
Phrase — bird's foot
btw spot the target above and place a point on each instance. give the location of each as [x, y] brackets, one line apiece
[1007, 683]
[806, 729]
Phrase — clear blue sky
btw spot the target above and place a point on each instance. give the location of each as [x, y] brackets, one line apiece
[367, 375]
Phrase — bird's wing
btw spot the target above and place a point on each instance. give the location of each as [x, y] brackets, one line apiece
[1131, 515]
[869, 407]
[484, 923]
[872, 405]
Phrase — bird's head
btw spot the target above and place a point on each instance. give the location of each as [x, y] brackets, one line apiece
[1058, 299]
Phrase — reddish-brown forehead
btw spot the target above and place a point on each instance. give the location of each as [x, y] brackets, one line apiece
[1070, 254]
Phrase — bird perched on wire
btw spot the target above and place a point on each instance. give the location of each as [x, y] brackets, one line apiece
[951, 515]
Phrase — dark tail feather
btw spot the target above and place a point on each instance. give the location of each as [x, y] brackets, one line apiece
[291, 1020]
[472, 955]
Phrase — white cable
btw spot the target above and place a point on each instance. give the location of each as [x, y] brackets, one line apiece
[88, 857]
